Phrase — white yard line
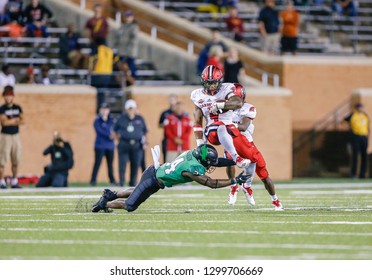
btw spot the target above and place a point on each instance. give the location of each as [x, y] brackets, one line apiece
[189, 244]
[187, 231]
[333, 192]
[300, 186]
[183, 221]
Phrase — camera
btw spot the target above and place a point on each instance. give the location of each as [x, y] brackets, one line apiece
[58, 140]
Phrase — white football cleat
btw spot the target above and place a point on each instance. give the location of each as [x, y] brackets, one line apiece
[233, 195]
[277, 205]
[248, 195]
[242, 162]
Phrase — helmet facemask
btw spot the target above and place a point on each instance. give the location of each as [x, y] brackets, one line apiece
[211, 79]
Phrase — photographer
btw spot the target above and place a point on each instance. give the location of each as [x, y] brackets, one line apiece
[56, 173]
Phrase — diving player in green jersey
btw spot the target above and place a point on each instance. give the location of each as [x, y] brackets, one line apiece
[187, 167]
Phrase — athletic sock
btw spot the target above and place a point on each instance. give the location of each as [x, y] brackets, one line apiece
[2, 182]
[14, 181]
[274, 197]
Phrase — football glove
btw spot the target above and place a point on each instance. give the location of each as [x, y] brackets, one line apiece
[216, 108]
[242, 177]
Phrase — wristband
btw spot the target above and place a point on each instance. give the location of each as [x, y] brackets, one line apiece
[220, 105]
[197, 128]
[233, 181]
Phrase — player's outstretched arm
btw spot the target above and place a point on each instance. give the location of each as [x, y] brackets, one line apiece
[208, 181]
[224, 162]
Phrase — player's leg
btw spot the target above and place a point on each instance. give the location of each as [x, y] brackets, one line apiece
[233, 194]
[247, 186]
[226, 140]
[263, 174]
[147, 186]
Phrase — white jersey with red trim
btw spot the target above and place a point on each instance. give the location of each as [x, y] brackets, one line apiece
[246, 111]
[205, 101]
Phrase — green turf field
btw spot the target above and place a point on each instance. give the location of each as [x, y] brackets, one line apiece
[321, 221]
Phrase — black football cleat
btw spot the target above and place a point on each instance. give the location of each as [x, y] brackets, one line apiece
[100, 205]
[16, 186]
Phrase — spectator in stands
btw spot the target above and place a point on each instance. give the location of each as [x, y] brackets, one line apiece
[6, 76]
[359, 130]
[70, 50]
[203, 55]
[216, 57]
[15, 30]
[306, 2]
[235, 25]
[345, 7]
[44, 78]
[3, 16]
[97, 27]
[177, 128]
[290, 24]
[216, 40]
[130, 131]
[29, 78]
[13, 11]
[234, 67]
[11, 117]
[125, 79]
[217, 6]
[104, 145]
[172, 100]
[36, 16]
[126, 42]
[56, 173]
[269, 25]
[101, 66]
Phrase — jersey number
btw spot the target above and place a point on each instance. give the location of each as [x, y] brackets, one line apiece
[173, 165]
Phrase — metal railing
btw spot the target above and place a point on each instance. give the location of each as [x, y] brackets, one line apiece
[334, 118]
[190, 44]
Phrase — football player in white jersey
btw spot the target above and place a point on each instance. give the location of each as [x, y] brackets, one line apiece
[243, 118]
[215, 103]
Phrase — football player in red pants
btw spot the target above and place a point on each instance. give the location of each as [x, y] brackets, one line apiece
[245, 147]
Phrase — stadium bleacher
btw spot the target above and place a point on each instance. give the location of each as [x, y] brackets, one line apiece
[316, 24]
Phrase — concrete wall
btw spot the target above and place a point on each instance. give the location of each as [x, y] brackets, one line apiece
[71, 110]
[319, 84]
[67, 109]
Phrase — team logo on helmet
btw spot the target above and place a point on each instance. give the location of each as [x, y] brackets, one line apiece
[211, 79]
[240, 91]
[206, 154]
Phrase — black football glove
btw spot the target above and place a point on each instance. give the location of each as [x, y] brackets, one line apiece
[242, 178]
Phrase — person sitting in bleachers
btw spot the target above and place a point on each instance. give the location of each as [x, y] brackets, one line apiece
[44, 78]
[345, 7]
[3, 15]
[36, 16]
[69, 49]
[29, 77]
[14, 29]
[13, 11]
[235, 25]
